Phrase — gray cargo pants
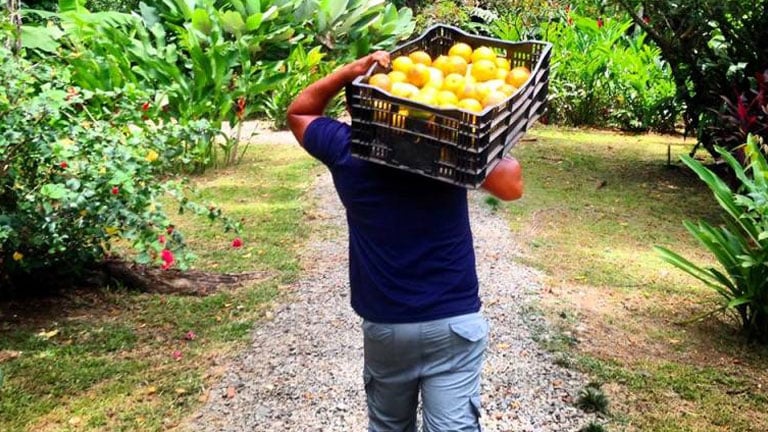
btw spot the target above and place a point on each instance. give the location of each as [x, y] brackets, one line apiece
[440, 359]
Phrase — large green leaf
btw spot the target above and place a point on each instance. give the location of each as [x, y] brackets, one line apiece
[40, 38]
[72, 6]
[201, 21]
[233, 22]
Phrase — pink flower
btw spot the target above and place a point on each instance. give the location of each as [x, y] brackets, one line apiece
[176, 355]
[115, 190]
[161, 239]
[64, 165]
[168, 259]
[237, 242]
[190, 336]
[599, 23]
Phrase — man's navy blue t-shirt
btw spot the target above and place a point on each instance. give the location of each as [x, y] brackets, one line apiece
[411, 256]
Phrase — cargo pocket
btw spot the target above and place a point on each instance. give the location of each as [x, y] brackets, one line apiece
[471, 331]
[470, 338]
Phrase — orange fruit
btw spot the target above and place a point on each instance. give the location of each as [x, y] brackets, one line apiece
[462, 50]
[421, 57]
[457, 64]
[494, 98]
[418, 75]
[380, 80]
[404, 90]
[441, 62]
[469, 91]
[446, 98]
[502, 63]
[484, 70]
[482, 90]
[402, 64]
[508, 89]
[483, 53]
[471, 104]
[518, 76]
[397, 76]
[453, 82]
[436, 78]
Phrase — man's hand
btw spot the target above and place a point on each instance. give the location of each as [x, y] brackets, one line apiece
[361, 65]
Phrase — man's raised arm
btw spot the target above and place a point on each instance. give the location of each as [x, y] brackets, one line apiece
[311, 102]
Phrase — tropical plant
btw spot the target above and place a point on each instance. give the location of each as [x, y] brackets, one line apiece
[741, 244]
[352, 28]
[711, 46]
[305, 67]
[604, 75]
[744, 113]
[81, 169]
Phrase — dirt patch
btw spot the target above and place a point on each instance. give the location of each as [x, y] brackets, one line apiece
[633, 326]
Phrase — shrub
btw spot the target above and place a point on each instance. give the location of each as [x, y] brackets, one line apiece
[592, 399]
[602, 73]
[744, 113]
[709, 45]
[741, 244]
[80, 170]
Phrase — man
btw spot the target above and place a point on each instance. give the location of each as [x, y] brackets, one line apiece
[411, 270]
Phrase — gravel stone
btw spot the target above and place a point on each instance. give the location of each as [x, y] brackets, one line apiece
[303, 370]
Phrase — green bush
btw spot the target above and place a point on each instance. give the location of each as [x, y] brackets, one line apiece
[712, 47]
[741, 244]
[602, 74]
[80, 170]
[212, 60]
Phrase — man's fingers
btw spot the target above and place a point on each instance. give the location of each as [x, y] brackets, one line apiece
[382, 57]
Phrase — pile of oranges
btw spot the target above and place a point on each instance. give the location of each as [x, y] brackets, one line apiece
[467, 78]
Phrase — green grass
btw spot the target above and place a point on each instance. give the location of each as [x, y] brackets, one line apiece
[106, 362]
[613, 193]
[595, 204]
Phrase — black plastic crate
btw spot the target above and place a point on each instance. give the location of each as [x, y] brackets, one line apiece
[451, 145]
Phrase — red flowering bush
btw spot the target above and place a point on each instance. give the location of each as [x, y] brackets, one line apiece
[80, 169]
[744, 113]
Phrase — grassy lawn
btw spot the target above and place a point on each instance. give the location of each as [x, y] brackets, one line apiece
[104, 360]
[595, 205]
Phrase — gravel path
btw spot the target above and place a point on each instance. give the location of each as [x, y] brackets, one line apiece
[303, 369]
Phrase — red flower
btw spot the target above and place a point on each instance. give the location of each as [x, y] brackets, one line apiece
[168, 259]
[161, 239]
[115, 190]
[176, 355]
[240, 110]
[145, 106]
[647, 19]
[237, 242]
[599, 23]
[169, 230]
[63, 165]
